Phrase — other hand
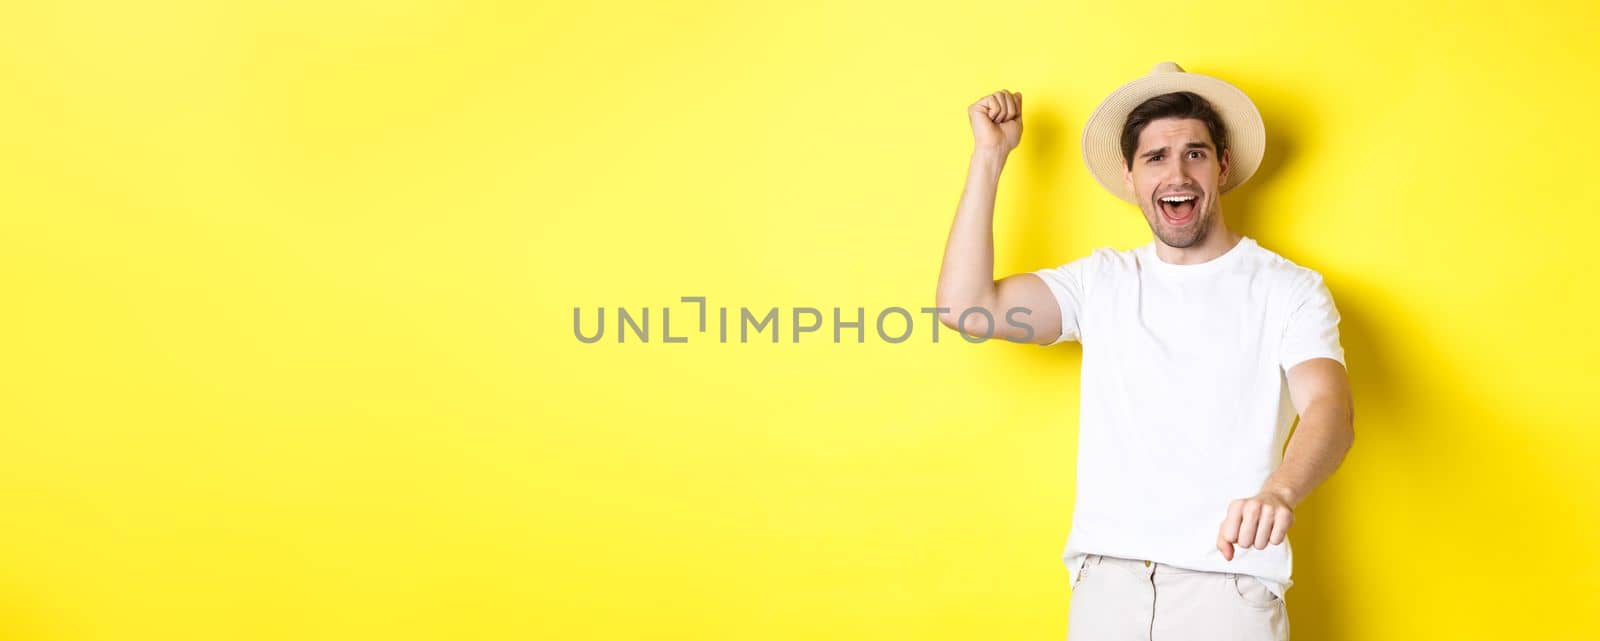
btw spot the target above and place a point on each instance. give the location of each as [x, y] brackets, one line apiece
[1255, 522]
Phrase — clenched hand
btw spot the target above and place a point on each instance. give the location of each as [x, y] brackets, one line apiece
[997, 121]
[1255, 522]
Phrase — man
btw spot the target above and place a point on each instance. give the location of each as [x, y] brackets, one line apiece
[1199, 349]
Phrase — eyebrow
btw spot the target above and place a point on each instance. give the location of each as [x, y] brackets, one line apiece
[1192, 145]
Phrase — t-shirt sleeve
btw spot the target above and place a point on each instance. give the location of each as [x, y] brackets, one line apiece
[1068, 284]
[1313, 327]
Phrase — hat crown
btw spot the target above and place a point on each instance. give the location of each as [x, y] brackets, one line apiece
[1166, 67]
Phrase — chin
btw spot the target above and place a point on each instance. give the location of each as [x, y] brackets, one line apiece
[1178, 237]
[1184, 238]
[1179, 243]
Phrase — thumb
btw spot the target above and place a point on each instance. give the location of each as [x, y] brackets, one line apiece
[1225, 547]
[1228, 531]
[983, 111]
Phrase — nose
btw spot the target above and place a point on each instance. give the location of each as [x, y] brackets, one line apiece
[1178, 179]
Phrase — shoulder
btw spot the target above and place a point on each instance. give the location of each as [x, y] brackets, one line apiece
[1285, 274]
[1108, 258]
[1114, 257]
[1098, 260]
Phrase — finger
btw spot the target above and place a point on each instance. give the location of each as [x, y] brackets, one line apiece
[992, 107]
[1280, 526]
[1230, 530]
[1230, 523]
[1011, 105]
[1005, 104]
[1247, 527]
[1018, 96]
[1264, 530]
[978, 113]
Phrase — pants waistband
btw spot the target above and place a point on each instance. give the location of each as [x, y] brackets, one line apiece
[1145, 565]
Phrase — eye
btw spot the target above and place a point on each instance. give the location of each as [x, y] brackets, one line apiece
[1198, 154]
[1155, 157]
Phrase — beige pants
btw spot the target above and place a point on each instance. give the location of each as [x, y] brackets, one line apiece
[1125, 599]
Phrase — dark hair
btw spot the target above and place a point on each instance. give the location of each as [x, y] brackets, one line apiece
[1181, 104]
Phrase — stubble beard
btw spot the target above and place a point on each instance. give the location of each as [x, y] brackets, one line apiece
[1176, 237]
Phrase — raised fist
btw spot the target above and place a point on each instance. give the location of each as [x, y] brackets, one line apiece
[997, 121]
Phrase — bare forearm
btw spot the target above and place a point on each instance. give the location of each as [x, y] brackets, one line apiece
[967, 276]
[1318, 447]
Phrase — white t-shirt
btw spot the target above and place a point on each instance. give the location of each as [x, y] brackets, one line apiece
[1185, 403]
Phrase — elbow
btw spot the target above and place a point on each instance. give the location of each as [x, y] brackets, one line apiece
[1347, 425]
[949, 310]
[1333, 419]
[941, 303]
[975, 322]
[948, 317]
[1350, 428]
[978, 312]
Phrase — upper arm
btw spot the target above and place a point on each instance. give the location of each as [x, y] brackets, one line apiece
[1310, 352]
[1321, 381]
[1058, 295]
[1025, 299]
[1311, 329]
[1021, 310]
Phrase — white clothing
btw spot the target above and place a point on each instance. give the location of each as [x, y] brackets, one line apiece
[1185, 403]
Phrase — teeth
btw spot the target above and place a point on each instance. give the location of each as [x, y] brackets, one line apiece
[1177, 199]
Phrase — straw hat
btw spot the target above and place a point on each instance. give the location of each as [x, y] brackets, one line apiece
[1102, 134]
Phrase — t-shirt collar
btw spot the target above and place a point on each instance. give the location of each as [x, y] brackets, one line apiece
[1227, 257]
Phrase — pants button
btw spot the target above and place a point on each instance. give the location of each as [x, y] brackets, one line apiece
[1147, 564]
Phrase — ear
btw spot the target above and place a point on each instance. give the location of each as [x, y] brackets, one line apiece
[1127, 177]
[1222, 178]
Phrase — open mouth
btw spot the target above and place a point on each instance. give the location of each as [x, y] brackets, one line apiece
[1180, 209]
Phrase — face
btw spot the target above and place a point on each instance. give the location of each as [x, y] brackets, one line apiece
[1176, 159]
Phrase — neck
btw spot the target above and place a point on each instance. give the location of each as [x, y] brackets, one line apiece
[1219, 239]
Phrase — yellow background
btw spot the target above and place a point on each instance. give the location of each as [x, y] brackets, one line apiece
[288, 286]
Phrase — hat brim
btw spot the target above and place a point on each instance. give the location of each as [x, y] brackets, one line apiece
[1102, 134]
